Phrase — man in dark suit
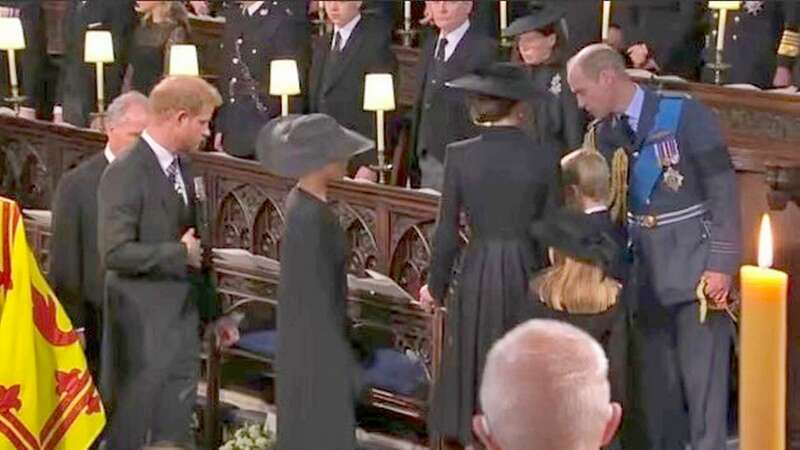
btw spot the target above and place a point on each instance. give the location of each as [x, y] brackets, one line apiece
[78, 78]
[357, 45]
[148, 246]
[75, 272]
[440, 115]
[667, 35]
[255, 33]
[684, 228]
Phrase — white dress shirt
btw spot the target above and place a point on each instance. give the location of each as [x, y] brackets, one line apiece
[165, 158]
[345, 32]
[109, 155]
[254, 7]
[453, 38]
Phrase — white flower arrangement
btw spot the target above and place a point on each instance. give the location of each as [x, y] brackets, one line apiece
[251, 437]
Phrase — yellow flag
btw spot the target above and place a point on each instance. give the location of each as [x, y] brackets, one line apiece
[48, 399]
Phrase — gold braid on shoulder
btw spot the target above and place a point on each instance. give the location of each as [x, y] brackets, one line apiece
[618, 198]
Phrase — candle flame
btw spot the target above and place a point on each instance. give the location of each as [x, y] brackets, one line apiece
[765, 250]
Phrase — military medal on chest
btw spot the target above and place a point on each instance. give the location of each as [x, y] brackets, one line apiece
[669, 156]
[753, 7]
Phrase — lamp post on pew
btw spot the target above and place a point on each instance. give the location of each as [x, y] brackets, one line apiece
[284, 81]
[379, 97]
[12, 39]
[183, 60]
[722, 7]
[99, 49]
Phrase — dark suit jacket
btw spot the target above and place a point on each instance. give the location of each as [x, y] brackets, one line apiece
[672, 258]
[75, 271]
[149, 288]
[340, 93]
[446, 115]
[674, 31]
[78, 79]
[249, 43]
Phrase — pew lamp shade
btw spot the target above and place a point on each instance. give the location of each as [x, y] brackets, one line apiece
[284, 80]
[99, 49]
[12, 39]
[183, 60]
[379, 97]
[762, 367]
[723, 7]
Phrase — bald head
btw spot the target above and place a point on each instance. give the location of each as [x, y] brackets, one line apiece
[597, 77]
[545, 386]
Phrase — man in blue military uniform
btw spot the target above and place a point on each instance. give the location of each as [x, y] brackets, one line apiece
[255, 33]
[683, 221]
[761, 43]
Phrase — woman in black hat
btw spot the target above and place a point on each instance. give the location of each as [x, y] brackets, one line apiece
[315, 362]
[502, 181]
[542, 46]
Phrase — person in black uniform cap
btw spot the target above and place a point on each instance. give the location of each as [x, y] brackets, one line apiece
[358, 44]
[761, 44]
[255, 33]
[542, 46]
[316, 364]
[502, 180]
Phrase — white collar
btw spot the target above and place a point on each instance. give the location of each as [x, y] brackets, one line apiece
[164, 156]
[595, 209]
[453, 38]
[253, 8]
[346, 31]
[109, 154]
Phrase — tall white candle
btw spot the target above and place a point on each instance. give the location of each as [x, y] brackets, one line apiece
[503, 14]
[407, 10]
[606, 18]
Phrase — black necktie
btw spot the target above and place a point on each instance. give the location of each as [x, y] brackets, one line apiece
[337, 42]
[440, 50]
[625, 134]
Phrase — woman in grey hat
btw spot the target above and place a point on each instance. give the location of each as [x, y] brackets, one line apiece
[316, 367]
[541, 44]
[502, 180]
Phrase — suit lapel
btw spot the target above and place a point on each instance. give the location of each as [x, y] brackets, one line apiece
[462, 52]
[320, 59]
[427, 55]
[350, 48]
[647, 117]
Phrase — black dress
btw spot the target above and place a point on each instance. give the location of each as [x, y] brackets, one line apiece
[150, 50]
[502, 180]
[558, 116]
[315, 365]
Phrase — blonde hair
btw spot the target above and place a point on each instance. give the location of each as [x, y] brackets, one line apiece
[576, 286]
[587, 170]
[183, 93]
[572, 285]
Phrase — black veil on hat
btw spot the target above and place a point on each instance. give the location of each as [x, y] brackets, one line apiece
[540, 16]
[296, 145]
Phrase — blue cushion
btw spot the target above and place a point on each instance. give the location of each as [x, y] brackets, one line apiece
[387, 369]
[262, 342]
[395, 372]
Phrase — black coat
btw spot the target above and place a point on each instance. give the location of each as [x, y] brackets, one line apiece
[249, 44]
[502, 181]
[752, 40]
[674, 31]
[557, 115]
[75, 271]
[150, 344]
[78, 79]
[316, 371]
[444, 117]
[337, 87]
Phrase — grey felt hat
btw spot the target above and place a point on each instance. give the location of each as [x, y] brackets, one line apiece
[297, 145]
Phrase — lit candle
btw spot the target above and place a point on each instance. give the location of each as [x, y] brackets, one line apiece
[762, 384]
[503, 14]
[407, 11]
[606, 18]
[723, 7]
